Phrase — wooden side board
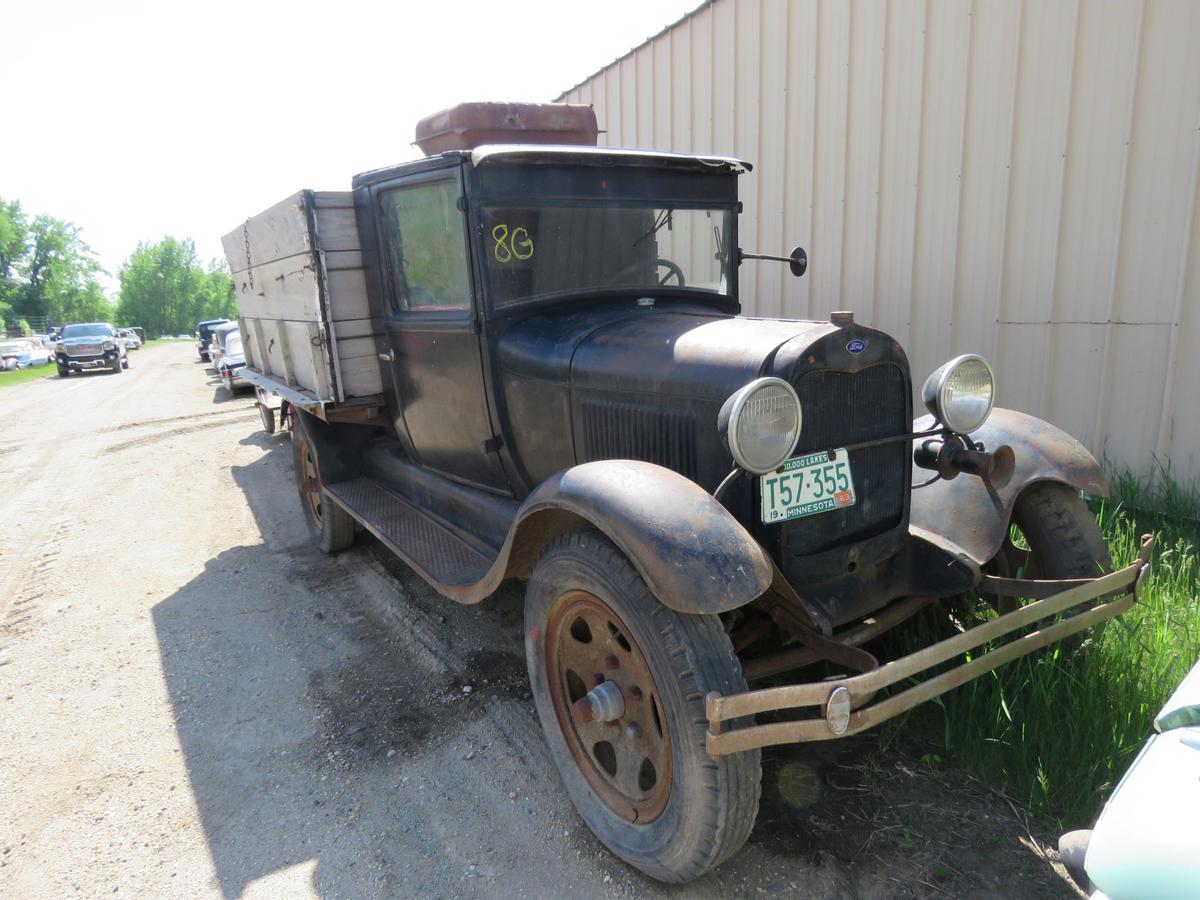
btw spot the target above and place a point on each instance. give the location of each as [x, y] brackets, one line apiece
[283, 230]
[302, 296]
[292, 352]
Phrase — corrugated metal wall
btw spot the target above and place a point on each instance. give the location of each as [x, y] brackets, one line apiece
[1006, 177]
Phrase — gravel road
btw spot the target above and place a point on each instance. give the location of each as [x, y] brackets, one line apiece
[195, 702]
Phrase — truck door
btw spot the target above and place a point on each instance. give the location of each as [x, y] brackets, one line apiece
[436, 362]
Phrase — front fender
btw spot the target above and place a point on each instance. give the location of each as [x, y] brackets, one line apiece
[972, 515]
[692, 553]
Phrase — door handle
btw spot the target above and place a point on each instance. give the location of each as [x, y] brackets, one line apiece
[390, 356]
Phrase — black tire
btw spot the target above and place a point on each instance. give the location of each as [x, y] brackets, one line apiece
[115, 366]
[268, 418]
[710, 804]
[1063, 537]
[125, 362]
[331, 527]
[63, 371]
[1064, 542]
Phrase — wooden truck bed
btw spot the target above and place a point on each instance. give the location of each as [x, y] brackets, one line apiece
[302, 299]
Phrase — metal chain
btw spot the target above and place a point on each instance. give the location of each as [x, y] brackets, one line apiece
[246, 236]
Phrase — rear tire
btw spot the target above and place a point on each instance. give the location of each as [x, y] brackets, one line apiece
[710, 804]
[268, 417]
[331, 527]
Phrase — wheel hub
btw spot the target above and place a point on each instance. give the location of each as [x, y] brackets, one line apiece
[603, 703]
[608, 707]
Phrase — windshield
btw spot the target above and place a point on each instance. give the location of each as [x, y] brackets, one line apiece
[93, 329]
[545, 250]
[233, 345]
[16, 347]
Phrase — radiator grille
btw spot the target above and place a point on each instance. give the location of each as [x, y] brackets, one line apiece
[615, 429]
[843, 408]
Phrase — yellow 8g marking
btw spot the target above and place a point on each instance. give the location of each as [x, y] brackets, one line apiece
[509, 246]
[501, 251]
[521, 244]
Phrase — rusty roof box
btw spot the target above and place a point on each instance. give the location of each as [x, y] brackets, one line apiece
[468, 125]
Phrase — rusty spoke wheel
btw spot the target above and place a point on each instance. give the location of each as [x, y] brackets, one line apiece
[615, 733]
[619, 681]
[331, 527]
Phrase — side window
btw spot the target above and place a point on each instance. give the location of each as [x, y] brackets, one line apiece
[424, 244]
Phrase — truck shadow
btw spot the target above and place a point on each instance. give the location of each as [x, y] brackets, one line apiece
[302, 718]
[330, 747]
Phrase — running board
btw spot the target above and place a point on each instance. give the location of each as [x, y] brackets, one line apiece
[438, 552]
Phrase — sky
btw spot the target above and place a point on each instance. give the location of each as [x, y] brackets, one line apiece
[136, 120]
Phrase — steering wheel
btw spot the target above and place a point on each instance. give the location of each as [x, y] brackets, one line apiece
[672, 271]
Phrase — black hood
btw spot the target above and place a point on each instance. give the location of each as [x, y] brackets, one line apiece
[626, 382]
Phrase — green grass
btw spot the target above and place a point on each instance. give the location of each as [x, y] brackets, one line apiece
[156, 341]
[1056, 730]
[21, 376]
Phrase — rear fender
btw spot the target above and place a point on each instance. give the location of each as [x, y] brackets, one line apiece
[692, 553]
[339, 447]
[971, 515]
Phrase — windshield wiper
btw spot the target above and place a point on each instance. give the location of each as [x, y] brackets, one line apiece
[664, 218]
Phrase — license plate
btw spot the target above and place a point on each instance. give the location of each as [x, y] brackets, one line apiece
[807, 485]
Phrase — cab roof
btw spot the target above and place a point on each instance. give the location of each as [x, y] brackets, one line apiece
[549, 154]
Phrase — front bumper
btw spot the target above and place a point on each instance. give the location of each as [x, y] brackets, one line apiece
[846, 705]
[87, 362]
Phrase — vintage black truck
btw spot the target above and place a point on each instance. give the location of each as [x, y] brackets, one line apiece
[525, 360]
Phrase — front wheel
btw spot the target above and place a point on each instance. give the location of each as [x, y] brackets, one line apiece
[619, 682]
[63, 371]
[1056, 537]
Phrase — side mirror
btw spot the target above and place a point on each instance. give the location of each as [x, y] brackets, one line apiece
[799, 261]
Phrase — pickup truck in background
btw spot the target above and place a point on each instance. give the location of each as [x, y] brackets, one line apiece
[91, 345]
[522, 357]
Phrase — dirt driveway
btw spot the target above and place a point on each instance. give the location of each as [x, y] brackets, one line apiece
[194, 701]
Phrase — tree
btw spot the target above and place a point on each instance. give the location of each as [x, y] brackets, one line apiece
[13, 231]
[47, 270]
[166, 290]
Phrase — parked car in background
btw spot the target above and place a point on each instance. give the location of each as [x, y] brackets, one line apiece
[140, 332]
[23, 353]
[204, 332]
[90, 345]
[232, 363]
[216, 347]
[132, 341]
[1145, 842]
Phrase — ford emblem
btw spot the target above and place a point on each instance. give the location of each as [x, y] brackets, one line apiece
[856, 346]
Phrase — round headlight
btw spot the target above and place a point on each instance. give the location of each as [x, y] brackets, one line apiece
[961, 393]
[761, 424]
